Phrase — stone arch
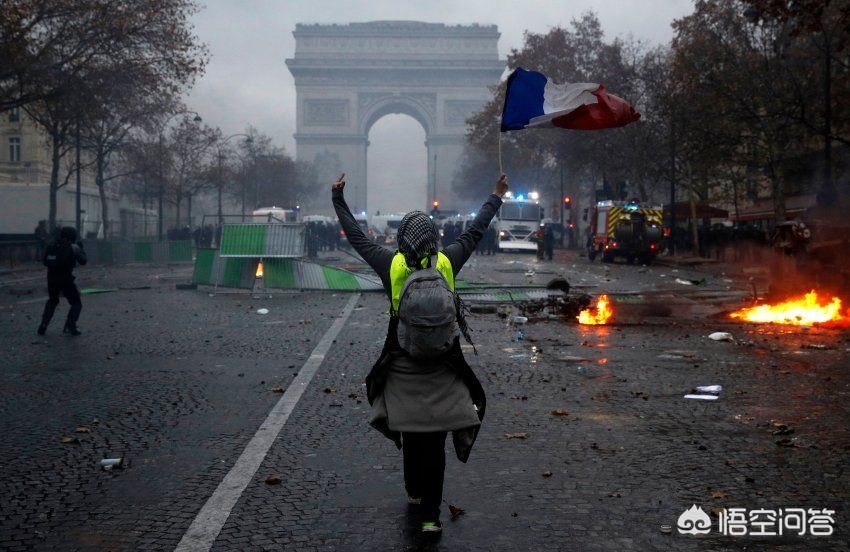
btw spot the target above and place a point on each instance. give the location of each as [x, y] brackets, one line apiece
[349, 76]
[391, 104]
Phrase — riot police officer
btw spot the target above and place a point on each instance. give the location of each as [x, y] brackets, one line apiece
[60, 258]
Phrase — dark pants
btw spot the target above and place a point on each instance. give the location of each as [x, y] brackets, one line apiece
[424, 464]
[66, 287]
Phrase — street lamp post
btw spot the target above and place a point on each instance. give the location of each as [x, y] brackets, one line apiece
[827, 195]
[77, 202]
[672, 239]
[562, 201]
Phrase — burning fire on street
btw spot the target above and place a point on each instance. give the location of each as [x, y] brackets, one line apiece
[259, 273]
[801, 311]
[599, 314]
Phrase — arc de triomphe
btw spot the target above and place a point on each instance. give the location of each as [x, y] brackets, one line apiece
[349, 76]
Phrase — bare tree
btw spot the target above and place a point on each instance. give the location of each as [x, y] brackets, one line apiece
[98, 61]
[191, 148]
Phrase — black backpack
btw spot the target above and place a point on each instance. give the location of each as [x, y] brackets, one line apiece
[427, 313]
[59, 255]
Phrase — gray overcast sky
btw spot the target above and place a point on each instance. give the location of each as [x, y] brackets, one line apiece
[247, 81]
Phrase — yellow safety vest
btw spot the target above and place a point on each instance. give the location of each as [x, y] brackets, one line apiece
[399, 271]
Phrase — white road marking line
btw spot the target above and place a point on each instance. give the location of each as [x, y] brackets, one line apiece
[208, 523]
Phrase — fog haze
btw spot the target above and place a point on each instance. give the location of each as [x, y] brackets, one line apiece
[247, 82]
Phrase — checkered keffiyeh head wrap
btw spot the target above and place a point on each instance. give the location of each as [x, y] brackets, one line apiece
[417, 237]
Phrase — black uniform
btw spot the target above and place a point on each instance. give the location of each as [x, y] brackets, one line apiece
[548, 241]
[60, 259]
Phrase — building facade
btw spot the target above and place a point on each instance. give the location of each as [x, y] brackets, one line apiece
[25, 163]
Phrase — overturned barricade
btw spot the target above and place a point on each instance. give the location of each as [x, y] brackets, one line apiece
[270, 254]
[212, 269]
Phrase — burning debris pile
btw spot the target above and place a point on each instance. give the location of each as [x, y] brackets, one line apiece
[801, 311]
[599, 314]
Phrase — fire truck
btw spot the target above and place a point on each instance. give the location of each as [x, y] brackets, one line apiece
[625, 229]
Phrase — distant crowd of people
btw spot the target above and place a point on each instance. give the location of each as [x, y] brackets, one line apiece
[322, 236]
[450, 230]
[714, 239]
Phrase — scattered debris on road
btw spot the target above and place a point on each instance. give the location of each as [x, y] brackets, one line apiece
[782, 429]
[816, 346]
[108, 464]
[456, 511]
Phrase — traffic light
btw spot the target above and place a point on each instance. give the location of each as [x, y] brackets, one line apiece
[567, 200]
[436, 210]
[436, 204]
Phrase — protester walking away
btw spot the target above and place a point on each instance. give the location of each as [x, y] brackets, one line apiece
[538, 239]
[448, 233]
[491, 240]
[421, 387]
[60, 258]
[548, 242]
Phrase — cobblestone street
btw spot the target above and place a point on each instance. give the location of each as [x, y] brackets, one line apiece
[605, 449]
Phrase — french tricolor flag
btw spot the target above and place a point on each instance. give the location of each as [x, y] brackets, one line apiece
[534, 101]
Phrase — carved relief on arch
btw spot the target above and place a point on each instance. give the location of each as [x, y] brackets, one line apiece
[456, 112]
[325, 112]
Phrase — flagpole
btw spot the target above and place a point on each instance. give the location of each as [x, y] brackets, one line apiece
[501, 171]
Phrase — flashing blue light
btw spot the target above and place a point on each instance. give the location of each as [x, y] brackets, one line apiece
[472, 214]
[631, 207]
[521, 197]
[363, 213]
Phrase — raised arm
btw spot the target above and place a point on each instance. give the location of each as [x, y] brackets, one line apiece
[378, 257]
[459, 251]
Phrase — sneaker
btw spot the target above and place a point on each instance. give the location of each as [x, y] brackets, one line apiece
[413, 501]
[431, 527]
[72, 330]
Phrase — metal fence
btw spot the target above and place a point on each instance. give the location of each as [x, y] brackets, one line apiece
[121, 252]
[17, 249]
[264, 240]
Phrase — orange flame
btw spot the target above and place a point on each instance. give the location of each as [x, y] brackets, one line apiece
[801, 311]
[602, 314]
[259, 273]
